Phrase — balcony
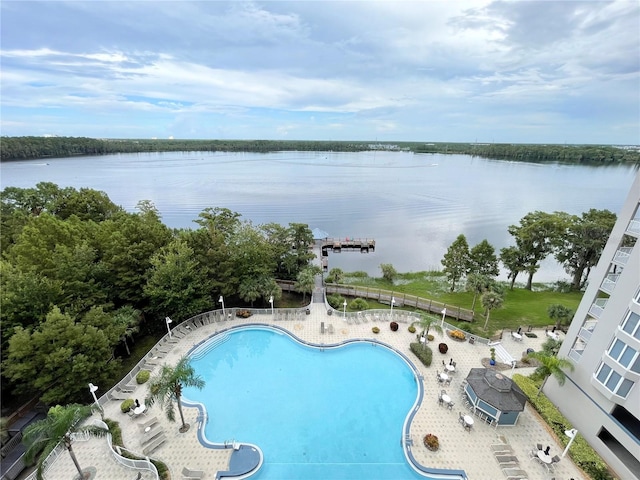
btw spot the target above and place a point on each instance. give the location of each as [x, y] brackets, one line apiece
[609, 283]
[575, 354]
[634, 228]
[587, 330]
[598, 307]
[621, 257]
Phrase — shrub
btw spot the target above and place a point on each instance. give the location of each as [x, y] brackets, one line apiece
[443, 348]
[394, 326]
[143, 376]
[431, 442]
[412, 329]
[127, 405]
[424, 353]
[375, 330]
[457, 334]
[336, 301]
[430, 337]
[359, 304]
[243, 313]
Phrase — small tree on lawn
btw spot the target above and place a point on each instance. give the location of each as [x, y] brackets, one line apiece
[166, 388]
[490, 301]
[58, 427]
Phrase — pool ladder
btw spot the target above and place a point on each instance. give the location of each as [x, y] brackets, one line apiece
[232, 443]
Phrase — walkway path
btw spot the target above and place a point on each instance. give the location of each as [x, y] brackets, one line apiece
[458, 448]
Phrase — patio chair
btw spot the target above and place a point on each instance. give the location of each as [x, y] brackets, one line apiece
[330, 328]
[189, 474]
[505, 460]
[450, 405]
[501, 447]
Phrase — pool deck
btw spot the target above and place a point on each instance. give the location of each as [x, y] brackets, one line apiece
[459, 449]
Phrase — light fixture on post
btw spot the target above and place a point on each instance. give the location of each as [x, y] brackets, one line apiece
[393, 302]
[221, 300]
[444, 314]
[344, 311]
[93, 388]
[168, 321]
[572, 436]
[271, 302]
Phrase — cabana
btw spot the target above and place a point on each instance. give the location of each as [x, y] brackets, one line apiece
[495, 395]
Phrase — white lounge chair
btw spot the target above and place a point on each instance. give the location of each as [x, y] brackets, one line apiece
[189, 474]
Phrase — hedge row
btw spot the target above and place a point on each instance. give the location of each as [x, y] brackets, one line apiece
[424, 353]
[582, 454]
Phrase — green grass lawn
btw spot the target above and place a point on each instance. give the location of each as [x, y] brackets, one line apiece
[521, 307]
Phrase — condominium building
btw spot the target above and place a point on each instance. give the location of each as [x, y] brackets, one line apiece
[601, 396]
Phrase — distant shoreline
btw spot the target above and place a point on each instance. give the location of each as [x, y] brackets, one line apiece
[34, 148]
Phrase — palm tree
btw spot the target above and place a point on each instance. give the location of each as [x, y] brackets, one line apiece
[58, 427]
[166, 388]
[551, 365]
[428, 322]
[490, 300]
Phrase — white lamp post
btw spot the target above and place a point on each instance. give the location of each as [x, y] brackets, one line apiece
[169, 321]
[393, 302]
[93, 388]
[572, 435]
[444, 313]
[221, 300]
[344, 311]
[271, 302]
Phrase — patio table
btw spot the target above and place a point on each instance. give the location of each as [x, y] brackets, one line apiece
[544, 457]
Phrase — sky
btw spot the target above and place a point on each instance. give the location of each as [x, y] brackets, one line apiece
[446, 71]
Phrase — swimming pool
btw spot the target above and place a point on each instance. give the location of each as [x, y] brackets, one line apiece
[332, 413]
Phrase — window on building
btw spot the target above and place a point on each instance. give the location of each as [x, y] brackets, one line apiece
[613, 381]
[622, 353]
[631, 325]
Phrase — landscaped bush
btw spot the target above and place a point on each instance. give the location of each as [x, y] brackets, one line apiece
[127, 405]
[430, 337]
[443, 348]
[424, 353]
[457, 335]
[336, 301]
[243, 313]
[359, 304]
[143, 376]
[412, 329]
[582, 454]
[375, 330]
[393, 326]
[431, 442]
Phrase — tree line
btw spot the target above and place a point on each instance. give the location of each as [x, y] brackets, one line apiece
[21, 148]
[80, 277]
[576, 242]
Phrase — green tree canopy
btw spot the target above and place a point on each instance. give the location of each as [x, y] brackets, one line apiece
[58, 358]
[176, 286]
[535, 238]
[456, 260]
[483, 260]
[579, 248]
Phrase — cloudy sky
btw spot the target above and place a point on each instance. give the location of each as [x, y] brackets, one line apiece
[488, 71]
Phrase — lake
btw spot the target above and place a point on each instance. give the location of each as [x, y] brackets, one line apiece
[413, 205]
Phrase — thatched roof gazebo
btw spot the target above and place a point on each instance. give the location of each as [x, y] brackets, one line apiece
[495, 395]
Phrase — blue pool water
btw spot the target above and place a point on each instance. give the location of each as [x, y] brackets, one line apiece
[325, 414]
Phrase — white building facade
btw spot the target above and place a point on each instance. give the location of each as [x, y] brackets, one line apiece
[601, 397]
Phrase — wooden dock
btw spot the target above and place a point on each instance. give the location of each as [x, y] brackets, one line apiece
[337, 245]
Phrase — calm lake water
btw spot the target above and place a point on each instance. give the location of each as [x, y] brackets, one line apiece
[414, 206]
